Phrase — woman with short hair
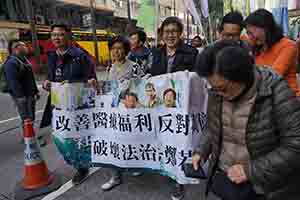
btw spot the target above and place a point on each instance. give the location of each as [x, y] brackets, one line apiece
[122, 69]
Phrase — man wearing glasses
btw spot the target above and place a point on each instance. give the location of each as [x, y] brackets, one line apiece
[231, 28]
[69, 64]
[172, 57]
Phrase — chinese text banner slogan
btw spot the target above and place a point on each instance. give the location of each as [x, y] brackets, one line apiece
[150, 123]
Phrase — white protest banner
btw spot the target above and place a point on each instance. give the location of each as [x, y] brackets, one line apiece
[152, 123]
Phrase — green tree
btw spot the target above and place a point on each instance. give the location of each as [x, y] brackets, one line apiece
[216, 8]
[147, 16]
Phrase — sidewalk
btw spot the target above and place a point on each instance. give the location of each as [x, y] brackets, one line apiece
[146, 187]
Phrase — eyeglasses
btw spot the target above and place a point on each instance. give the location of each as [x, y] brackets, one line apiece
[254, 32]
[250, 34]
[231, 35]
[170, 32]
[54, 35]
[117, 49]
[224, 88]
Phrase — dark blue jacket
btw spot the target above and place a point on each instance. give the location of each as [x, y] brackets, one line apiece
[19, 77]
[77, 66]
[142, 57]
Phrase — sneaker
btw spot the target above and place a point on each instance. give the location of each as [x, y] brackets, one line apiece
[178, 193]
[137, 174]
[113, 182]
[80, 176]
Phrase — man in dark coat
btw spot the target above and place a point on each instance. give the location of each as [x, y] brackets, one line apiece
[231, 28]
[172, 57]
[20, 80]
[69, 64]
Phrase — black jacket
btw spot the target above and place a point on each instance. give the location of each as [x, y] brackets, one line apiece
[77, 66]
[19, 77]
[185, 58]
[272, 137]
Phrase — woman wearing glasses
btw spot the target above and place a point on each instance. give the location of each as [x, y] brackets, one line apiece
[253, 134]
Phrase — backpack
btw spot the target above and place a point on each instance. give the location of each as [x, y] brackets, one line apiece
[3, 83]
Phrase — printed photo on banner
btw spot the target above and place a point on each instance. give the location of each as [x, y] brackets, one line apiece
[165, 93]
[72, 96]
[150, 124]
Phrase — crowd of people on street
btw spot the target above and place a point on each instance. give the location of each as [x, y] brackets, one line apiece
[252, 138]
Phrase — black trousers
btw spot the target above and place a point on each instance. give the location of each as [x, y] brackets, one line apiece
[227, 190]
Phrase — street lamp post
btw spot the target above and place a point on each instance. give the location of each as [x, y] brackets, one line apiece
[128, 11]
[157, 19]
[188, 26]
[34, 38]
[130, 25]
[93, 19]
[174, 5]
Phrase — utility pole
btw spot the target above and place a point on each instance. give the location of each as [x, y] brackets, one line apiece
[130, 26]
[174, 5]
[34, 38]
[157, 19]
[128, 11]
[188, 26]
[93, 23]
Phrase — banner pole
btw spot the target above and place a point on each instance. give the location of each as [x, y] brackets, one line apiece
[156, 22]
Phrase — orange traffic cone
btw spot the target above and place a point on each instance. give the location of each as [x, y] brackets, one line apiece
[37, 178]
[36, 171]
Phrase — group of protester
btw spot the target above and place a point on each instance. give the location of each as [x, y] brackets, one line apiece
[252, 138]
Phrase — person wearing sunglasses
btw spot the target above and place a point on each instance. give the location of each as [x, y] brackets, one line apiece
[20, 80]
